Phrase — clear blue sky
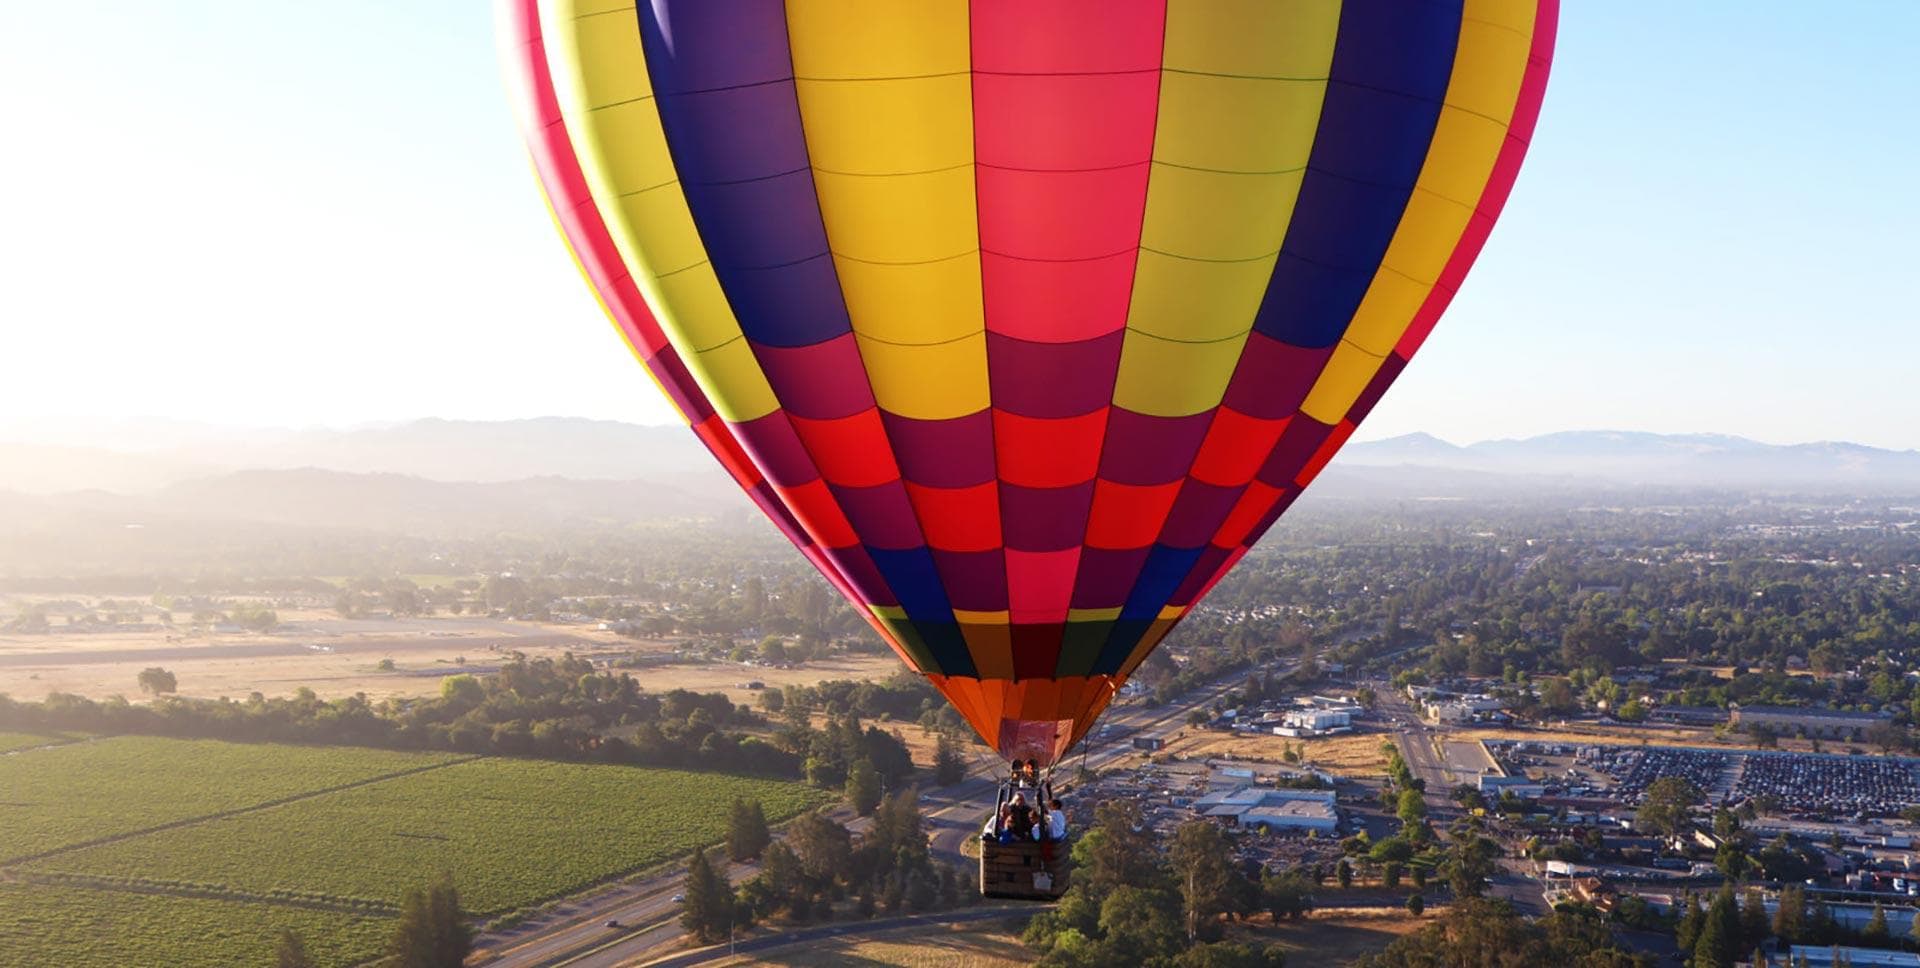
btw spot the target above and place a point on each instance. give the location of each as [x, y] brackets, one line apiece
[256, 212]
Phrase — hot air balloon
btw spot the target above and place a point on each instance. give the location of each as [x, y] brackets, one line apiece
[1025, 319]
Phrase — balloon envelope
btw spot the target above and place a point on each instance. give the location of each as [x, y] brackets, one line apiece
[1024, 319]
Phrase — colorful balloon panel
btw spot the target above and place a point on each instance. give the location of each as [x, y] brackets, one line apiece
[1024, 319]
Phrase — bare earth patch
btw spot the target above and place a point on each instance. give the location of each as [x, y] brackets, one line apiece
[915, 947]
[1337, 936]
[339, 657]
[1356, 754]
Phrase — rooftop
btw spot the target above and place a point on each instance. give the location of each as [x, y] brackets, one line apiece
[1820, 711]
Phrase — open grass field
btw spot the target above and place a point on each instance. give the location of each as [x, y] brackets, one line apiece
[70, 927]
[1338, 936]
[331, 655]
[141, 844]
[513, 832]
[970, 946]
[1356, 755]
[80, 792]
[339, 657]
[730, 678]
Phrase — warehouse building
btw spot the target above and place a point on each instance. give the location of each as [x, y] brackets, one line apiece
[1257, 808]
[1810, 721]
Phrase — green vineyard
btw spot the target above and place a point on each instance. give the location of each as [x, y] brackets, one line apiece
[133, 841]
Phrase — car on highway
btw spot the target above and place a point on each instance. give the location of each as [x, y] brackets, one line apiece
[613, 922]
[679, 899]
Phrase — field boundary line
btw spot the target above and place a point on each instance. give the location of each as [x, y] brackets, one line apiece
[647, 881]
[363, 907]
[54, 745]
[10, 862]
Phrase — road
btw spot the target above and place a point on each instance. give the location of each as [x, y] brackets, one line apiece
[1420, 745]
[1416, 741]
[576, 934]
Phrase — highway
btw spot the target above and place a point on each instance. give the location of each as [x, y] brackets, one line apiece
[577, 935]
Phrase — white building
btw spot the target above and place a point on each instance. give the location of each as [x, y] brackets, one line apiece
[1321, 719]
[1463, 709]
[1519, 786]
[1255, 808]
[1858, 957]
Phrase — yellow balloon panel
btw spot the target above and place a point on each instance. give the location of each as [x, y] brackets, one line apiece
[1168, 378]
[937, 382]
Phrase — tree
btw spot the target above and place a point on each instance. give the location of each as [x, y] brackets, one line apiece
[1558, 696]
[1203, 867]
[949, 767]
[1686, 930]
[1416, 904]
[1719, 941]
[1668, 803]
[1470, 864]
[1139, 925]
[1875, 933]
[707, 913]
[863, 787]
[1286, 895]
[1228, 954]
[1412, 807]
[432, 931]
[747, 833]
[1344, 874]
[1754, 926]
[1490, 934]
[290, 951]
[1732, 860]
[155, 681]
[822, 847]
[1119, 849]
[1790, 916]
[462, 692]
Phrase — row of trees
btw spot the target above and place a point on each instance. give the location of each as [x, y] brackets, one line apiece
[1477, 932]
[562, 709]
[805, 875]
[432, 932]
[1137, 901]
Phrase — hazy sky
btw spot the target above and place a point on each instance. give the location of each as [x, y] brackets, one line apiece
[263, 212]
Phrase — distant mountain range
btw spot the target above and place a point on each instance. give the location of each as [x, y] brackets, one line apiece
[219, 466]
[142, 457]
[1655, 459]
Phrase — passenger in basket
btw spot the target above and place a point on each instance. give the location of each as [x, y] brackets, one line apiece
[1021, 819]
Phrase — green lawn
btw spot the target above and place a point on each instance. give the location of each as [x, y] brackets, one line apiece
[80, 929]
[81, 792]
[513, 832]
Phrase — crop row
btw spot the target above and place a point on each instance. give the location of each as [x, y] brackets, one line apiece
[82, 792]
[512, 832]
[45, 925]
